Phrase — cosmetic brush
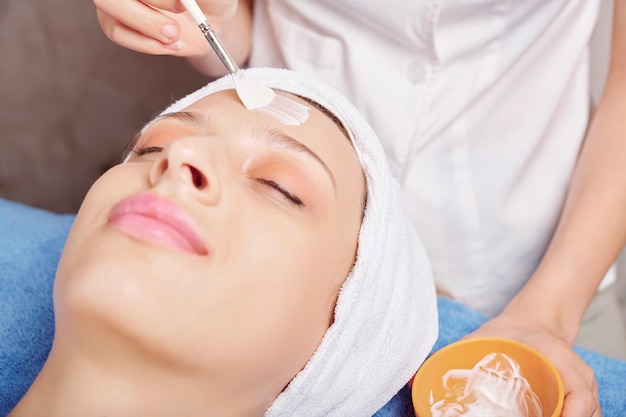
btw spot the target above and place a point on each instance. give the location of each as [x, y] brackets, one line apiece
[253, 95]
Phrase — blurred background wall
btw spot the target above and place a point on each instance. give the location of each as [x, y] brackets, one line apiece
[70, 99]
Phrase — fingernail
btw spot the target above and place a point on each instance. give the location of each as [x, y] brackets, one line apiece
[169, 31]
[175, 46]
[179, 7]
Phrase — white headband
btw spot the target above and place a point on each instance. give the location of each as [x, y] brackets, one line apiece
[385, 321]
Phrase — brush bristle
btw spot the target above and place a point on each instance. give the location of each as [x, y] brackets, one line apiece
[256, 96]
[252, 94]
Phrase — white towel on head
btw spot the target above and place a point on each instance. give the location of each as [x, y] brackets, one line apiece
[385, 321]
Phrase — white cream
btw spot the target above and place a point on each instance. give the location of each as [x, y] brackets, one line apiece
[287, 111]
[494, 387]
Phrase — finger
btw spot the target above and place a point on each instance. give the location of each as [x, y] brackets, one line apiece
[131, 39]
[139, 17]
[175, 6]
[581, 404]
[170, 5]
[581, 398]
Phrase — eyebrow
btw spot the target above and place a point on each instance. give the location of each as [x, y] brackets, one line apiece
[273, 137]
[184, 116]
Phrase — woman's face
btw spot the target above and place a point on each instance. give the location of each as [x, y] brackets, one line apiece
[219, 247]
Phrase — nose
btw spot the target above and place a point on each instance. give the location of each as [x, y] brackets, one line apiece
[189, 166]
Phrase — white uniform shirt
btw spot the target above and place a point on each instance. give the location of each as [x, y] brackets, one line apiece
[481, 105]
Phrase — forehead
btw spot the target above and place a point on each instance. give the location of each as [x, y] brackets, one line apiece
[321, 132]
[227, 101]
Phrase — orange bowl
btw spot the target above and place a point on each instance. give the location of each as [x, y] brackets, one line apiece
[543, 378]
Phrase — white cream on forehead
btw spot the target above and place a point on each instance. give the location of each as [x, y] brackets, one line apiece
[285, 110]
[494, 387]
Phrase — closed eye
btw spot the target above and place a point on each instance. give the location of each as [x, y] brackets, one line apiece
[276, 186]
[142, 150]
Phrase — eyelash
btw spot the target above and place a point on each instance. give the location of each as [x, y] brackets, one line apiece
[143, 150]
[292, 198]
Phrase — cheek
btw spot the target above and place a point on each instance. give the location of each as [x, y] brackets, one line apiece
[284, 245]
[108, 190]
[283, 297]
[92, 217]
[304, 273]
[278, 254]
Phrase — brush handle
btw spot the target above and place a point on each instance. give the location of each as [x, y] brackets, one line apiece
[218, 47]
[210, 35]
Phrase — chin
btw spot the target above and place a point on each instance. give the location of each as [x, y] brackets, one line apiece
[111, 292]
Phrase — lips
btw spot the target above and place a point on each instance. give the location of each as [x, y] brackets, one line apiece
[158, 220]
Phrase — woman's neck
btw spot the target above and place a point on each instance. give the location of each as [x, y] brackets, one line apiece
[71, 385]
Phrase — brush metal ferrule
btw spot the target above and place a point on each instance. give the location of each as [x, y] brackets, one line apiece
[218, 47]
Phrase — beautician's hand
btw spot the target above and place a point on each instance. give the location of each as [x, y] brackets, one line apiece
[581, 389]
[163, 27]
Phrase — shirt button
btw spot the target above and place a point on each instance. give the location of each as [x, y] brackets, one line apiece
[417, 72]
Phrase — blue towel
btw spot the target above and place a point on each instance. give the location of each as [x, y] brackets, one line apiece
[31, 241]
